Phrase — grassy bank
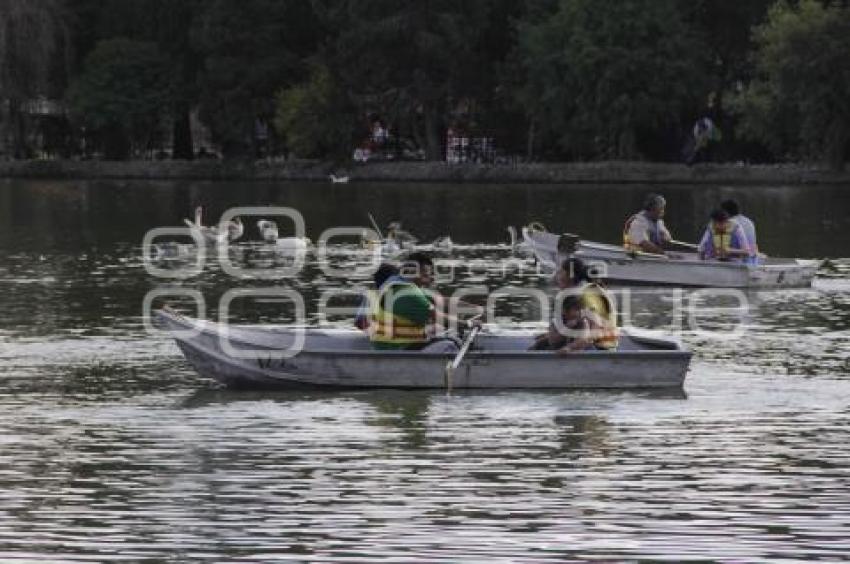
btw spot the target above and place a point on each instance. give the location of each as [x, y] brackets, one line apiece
[548, 173]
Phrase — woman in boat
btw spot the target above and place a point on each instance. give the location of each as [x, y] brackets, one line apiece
[573, 279]
[724, 239]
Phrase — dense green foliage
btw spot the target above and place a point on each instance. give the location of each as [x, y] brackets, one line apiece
[312, 117]
[604, 75]
[799, 103]
[34, 58]
[411, 61]
[121, 93]
[251, 50]
[551, 79]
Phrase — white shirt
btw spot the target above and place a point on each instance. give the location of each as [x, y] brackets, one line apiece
[749, 230]
[641, 226]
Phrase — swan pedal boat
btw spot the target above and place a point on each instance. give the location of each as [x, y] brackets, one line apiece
[242, 356]
[617, 265]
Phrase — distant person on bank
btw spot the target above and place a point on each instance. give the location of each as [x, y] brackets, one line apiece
[645, 231]
[706, 135]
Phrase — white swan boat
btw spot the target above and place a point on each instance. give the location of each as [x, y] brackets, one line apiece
[291, 357]
[616, 265]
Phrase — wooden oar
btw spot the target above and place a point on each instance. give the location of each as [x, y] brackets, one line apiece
[452, 366]
[643, 254]
[686, 245]
[375, 225]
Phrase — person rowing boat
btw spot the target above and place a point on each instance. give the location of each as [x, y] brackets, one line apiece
[407, 314]
[645, 231]
[385, 273]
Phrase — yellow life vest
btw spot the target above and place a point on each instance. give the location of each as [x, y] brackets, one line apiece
[721, 239]
[595, 298]
[387, 327]
[627, 241]
[653, 235]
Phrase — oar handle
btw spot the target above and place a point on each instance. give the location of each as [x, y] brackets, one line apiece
[452, 366]
[459, 358]
[642, 254]
[375, 225]
[683, 244]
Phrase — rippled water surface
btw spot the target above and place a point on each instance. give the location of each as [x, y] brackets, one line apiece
[113, 449]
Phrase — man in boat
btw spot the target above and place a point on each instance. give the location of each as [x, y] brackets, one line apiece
[400, 236]
[406, 315]
[573, 279]
[724, 239]
[645, 231]
[386, 272]
[731, 207]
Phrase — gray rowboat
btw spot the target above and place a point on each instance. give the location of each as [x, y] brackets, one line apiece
[254, 357]
[616, 265]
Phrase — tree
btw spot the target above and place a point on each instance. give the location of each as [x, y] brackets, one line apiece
[251, 49]
[168, 23]
[607, 76]
[411, 60]
[315, 118]
[799, 102]
[122, 93]
[34, 57]
[726, 27]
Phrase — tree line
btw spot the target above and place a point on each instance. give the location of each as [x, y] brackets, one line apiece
[545, 79]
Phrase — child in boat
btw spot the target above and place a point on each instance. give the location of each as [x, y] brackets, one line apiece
[573, 276]
[580, 325]
[575, 332]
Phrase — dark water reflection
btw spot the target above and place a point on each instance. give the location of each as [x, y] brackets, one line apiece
[111, 448]
[807, 221]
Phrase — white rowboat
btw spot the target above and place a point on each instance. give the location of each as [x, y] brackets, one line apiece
[615, 264]
[257, 357]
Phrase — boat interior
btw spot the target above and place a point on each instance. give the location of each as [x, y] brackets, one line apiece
[348, 340]
[492, 339]
[588, 249]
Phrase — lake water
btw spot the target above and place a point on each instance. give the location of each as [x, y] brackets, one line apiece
[113, 449]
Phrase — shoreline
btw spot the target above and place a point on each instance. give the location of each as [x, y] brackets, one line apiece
[422, 172]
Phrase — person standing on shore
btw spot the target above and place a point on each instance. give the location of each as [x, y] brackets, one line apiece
[645, 231]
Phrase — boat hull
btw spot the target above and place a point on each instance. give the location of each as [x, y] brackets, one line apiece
[253, 358]
[615, 265]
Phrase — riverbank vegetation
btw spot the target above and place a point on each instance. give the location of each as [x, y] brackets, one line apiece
[478, 80]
